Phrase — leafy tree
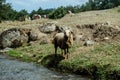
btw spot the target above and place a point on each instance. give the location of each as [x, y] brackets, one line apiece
[70, 8]
[6, 11]
[11, 14]
[105, 4]
[32, 13]
[58, 13]
[21, 13]
[5, 8]
[40, 11]
[82, 8]
[77, 9]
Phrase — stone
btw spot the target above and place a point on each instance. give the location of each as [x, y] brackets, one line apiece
[48, 28]
[16, 37]
[89, 43]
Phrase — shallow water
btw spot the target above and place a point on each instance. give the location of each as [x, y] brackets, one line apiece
[17, 70]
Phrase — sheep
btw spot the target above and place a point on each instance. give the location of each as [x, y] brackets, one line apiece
[63, 40]
[70, 13]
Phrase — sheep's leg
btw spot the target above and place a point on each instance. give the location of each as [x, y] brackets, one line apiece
[67, 53]
[62, 52]
[55, 50]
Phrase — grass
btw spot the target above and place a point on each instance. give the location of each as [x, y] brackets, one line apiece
[37, 52]
[100, 63]
[19, 55]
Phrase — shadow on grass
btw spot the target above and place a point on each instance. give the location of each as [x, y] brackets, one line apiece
[51, 60]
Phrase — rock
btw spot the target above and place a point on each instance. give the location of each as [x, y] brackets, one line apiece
[12, 38]
[48, 28]
[16, 37]
[44, 40]
[40, 35]
[79, 37]
[5, 50]
[89, 43]
[62, 28]
[33, 35]
[106, 38]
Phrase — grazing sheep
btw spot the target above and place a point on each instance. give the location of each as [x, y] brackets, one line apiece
[63, 41]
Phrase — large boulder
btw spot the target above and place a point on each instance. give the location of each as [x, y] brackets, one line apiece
[12, 38]
[33, 35]
[43, 38]
[16, 37]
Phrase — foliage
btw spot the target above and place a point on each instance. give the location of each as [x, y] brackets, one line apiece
[5, 10]
[21, 13]
[58, 13]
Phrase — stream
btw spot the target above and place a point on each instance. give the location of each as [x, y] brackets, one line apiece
[17, 70]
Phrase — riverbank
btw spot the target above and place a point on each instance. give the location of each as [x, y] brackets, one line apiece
[100, 62]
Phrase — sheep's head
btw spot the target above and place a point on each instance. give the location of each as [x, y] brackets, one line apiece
[68, 33]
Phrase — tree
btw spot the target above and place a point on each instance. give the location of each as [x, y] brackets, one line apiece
[6, 11]
[5, 8]
[70, 8]
[40, 11]
[105, 4]
[32, 13]
[21, 14]
[58, 13]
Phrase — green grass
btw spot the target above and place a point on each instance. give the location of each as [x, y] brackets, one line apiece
[36, 51]
[18, 55]
[102, 63]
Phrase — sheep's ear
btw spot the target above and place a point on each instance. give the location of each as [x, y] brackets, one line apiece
[64, 32]
[71, 32]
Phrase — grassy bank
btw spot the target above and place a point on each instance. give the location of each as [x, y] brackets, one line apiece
[102, 63]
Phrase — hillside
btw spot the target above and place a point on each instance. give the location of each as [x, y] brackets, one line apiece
[100, 60]
[101, 16]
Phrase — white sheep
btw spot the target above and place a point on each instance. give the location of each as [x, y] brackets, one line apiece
[70, 13]
[63, 41]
